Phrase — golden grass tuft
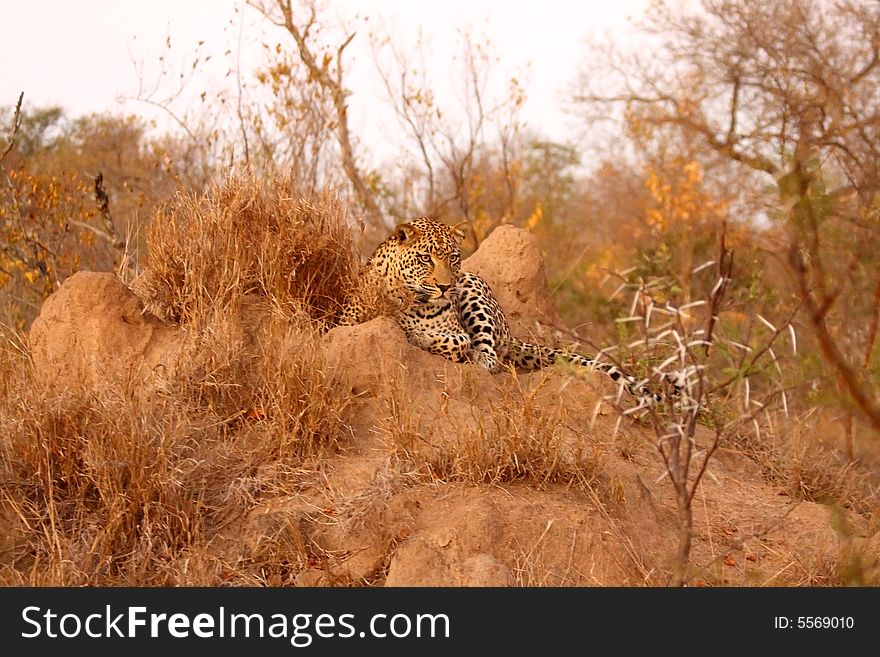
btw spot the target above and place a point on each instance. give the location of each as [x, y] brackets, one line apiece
[793, 454]
[521, 435]
[119, 487]
[248, 237]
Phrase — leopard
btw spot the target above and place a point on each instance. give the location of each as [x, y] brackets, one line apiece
[454, 313]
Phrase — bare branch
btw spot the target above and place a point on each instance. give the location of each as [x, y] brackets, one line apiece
[333, 86]
[239, 110]
[165, 108]
[734, 111]
[103, 202]
[724, 259]
[851, 380]
[402, 102]
[16, 124]
[867, 68]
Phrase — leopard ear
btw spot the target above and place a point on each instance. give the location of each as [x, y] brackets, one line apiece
[461, 229]
[405, 233]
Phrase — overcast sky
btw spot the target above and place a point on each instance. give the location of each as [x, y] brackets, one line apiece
[81, 54]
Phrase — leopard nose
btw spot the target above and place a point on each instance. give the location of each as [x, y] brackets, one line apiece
[443, 288]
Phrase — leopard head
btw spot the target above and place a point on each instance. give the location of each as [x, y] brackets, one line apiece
[428, 256]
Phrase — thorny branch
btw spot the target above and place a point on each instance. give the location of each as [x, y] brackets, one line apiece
[675, 422]
[830, 350]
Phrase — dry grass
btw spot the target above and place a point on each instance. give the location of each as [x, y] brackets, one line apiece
[794, 456]
[517, 435]
[119, 487]
[113, 488]
[244, 237]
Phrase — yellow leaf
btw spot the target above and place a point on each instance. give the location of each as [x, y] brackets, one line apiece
[535, 217]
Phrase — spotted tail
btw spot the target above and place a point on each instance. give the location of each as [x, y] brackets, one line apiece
[532, 357]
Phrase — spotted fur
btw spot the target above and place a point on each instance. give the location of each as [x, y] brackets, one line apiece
[452, 313]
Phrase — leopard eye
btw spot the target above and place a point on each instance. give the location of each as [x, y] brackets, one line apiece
[425, 258]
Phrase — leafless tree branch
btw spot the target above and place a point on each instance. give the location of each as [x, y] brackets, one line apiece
[332, 83]
[103, 202]
[16, 124]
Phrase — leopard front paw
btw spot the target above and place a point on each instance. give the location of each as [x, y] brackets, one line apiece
[487, 361]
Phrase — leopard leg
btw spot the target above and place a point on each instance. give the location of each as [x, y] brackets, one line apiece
[483, 347]
[476, 309]
[454, 346]
[485, 356]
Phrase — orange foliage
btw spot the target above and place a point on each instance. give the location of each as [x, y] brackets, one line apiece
[679, 198]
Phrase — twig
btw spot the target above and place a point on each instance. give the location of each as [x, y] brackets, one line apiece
[725, 270]
[747, 370]
[333, 86]
[704, 466]
[103, 202]
[97, 231]
[169, 112]
[738, 543]
[239, 111]
[16, 124]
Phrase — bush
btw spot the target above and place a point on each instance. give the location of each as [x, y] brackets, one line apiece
[122, 486]
[247, 237]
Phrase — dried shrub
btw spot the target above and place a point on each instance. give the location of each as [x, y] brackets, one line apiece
[521, 436]
[248, 237]
[793, 455]
[119, 488]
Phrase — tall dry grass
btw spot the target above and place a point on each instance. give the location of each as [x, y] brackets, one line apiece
[242, 237]
[794, 453]
[119, 486]
[115, 488]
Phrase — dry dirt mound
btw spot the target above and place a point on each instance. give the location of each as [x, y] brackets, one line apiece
[523, 479]
[510, 260]
[94, 332]
[453, 476]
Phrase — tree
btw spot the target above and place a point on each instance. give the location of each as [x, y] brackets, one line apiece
[787, 92]
[326, 72]
[73, 194]
[465, 145]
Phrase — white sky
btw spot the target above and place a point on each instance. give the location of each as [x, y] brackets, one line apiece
[80, 53]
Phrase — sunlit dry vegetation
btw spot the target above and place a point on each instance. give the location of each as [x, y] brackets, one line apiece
[730, 230]
[244, 416]
[243, 238]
